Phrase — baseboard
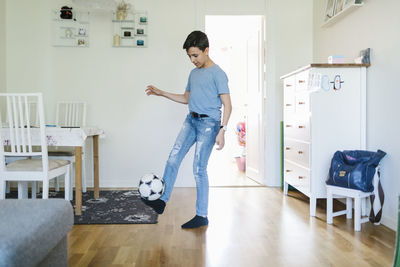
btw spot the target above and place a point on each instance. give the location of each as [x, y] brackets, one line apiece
[389, 222]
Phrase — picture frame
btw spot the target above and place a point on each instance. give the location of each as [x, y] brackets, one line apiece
[339, 6]
[348, 3]
[330, 9]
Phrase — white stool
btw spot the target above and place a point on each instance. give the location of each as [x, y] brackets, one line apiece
[359, 204]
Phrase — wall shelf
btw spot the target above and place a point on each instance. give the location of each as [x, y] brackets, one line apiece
[341, 14]
[123, 21]
[71, 32]
[132, 31]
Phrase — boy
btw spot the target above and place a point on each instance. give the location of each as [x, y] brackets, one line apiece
[206, 90]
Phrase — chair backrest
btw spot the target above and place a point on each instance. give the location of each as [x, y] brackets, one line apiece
[18, 132]
[33, 114]
[71, 113]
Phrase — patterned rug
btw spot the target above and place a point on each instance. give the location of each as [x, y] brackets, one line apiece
[113, 207]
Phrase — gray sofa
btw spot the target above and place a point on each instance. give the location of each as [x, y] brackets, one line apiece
[33, 232]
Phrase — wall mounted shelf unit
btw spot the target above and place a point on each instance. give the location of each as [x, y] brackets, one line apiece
[131, 32]
[341, 14]
[71, 32]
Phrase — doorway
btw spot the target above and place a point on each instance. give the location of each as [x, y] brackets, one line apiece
[236, 45]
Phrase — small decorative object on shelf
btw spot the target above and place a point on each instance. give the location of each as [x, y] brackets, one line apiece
[82, 31]
[70, 28]
[117, 40]
[336, 59]
[143, 19]
[68, 33]
[81, 42]
[365, 54]
[364, 57]
[66, 12]
[122, 10]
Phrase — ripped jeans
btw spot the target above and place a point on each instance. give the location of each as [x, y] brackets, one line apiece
[202, 132]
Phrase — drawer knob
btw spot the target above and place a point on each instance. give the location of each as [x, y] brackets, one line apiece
[288, 85]
[287, 148]
[302, 126]
[288, 125]
[301, 177]
[288, 105]
[302, 103]
[302, 81]
[300, 152]
[288, 170]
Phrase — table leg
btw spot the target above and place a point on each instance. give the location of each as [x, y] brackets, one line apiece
[78, 180]
[96, 165]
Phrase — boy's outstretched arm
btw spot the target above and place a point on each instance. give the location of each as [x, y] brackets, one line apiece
[226, 101]
[180, 98]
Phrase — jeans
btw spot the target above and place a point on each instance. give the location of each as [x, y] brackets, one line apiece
[202, 132]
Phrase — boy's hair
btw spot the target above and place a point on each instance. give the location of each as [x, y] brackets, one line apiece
[196, 39]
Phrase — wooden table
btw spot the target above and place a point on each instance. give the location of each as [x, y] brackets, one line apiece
[73, 137]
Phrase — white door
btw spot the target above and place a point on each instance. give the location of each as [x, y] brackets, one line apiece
[254, 126]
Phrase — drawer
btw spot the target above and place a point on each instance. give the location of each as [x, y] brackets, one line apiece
[297, 127]
[289, 83]
[297, 176]
[289, 126]
[289, 94]
[302, 103]
[289, 103]
[298, 152]
[302, 80]
[302, 128]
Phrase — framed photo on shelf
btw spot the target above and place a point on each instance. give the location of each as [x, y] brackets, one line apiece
[330, 9]
[348, 3]
[339, 6]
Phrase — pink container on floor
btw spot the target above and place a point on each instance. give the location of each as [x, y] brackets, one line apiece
[241, 163]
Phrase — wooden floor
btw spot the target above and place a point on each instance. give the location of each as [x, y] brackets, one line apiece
[250, 227]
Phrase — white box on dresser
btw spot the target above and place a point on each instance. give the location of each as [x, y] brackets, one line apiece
[319, 120]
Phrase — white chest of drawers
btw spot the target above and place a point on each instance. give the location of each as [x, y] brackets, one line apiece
[319, 120]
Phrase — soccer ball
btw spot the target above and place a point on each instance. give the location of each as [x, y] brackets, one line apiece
[151, 187]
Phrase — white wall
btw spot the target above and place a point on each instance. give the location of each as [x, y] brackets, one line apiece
[374, 25]
[2, 46]
[289, 46]
[140, 130]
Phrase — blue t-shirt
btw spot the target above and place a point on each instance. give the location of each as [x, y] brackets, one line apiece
[205, 85]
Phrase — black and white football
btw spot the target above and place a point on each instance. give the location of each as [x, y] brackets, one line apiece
[151, 187]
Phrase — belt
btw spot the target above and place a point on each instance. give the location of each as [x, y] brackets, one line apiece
[197, 115]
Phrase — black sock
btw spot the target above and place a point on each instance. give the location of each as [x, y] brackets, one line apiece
[157, 205]
[197, 221]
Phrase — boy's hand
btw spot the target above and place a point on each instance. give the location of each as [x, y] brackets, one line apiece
[220, 140]
[152, 90]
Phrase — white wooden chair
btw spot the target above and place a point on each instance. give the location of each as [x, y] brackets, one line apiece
[34, 122]
[18, 136]
[70, 114]
[360, 207]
